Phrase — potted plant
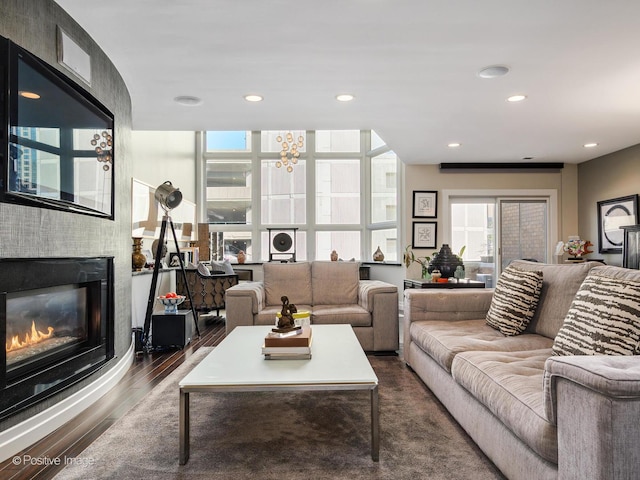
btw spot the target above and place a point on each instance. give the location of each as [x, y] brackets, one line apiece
[409, 257]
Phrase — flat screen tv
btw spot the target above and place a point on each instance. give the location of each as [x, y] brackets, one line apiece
[56, 145]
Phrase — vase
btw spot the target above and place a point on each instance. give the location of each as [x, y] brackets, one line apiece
[445, 261]
[378, 256]
[425, 273]
[138, 260]
[241, 257]
[334, 256]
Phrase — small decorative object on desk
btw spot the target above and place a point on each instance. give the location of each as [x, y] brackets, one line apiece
[242, 257]
[378, 256]
[138, 259]
[286, 322]
[435, 276]
[577, 248]
[334, 256]
[171, 301]
[459, 274]
[446, 261]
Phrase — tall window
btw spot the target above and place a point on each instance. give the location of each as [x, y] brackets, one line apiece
[339, 193]
[496, 230]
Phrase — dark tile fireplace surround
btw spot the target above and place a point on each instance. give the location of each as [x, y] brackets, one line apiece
[56, 315]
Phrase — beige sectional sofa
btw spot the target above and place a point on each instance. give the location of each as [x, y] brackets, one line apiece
[536, 415]
[331, 291]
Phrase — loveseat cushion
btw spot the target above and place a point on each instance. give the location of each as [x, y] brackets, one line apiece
[560, 282]
[515, 300]
[335, 283]
[353, 315]
[267, 316]
[290, 279]
[443, 340]
[604, 318]
[510, 385]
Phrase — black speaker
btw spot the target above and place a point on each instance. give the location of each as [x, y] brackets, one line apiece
[282, 244]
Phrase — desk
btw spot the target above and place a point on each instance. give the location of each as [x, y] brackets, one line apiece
[464, 283]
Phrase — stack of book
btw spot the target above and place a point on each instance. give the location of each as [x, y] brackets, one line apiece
[294, 345]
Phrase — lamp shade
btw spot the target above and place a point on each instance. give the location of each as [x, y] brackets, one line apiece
[168, 196]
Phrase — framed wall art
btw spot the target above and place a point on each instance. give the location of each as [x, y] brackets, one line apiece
[424, 235]
[613, 214]
[425, 204]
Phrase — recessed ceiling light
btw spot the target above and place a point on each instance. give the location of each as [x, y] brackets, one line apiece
[516, 98]
[590, 145]
[453, 145]
[344, 97]
[527, 158]
[30, 95]
[188, 101]
[252, 97]
[493, 71]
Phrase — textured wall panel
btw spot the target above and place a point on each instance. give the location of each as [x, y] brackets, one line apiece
[33, 232]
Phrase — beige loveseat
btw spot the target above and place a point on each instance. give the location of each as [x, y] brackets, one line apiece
[537, 414]
[331, 291]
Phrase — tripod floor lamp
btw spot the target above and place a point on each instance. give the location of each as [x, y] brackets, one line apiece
[169, 198]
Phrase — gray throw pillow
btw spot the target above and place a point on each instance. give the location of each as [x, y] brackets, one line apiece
[604, 319]
[514, 301]
[224, 266]
[203, 270]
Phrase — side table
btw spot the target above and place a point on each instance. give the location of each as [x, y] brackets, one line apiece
[464, 283]
[172, 330]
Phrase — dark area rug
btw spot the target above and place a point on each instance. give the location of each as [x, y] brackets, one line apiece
[301, 435]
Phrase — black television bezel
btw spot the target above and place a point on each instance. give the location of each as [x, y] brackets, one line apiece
[10, 53]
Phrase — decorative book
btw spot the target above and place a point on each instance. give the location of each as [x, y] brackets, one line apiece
[296, 338]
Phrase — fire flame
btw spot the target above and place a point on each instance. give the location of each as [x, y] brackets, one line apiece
[30, 338]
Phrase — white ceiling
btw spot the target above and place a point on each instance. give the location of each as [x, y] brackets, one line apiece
[411, 64]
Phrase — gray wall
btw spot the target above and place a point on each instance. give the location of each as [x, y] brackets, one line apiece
[610, 176]
[34, 232]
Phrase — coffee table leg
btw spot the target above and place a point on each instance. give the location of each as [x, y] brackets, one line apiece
[184, 427]
[375, 424]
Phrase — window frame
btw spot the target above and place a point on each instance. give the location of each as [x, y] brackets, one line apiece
[311, 228]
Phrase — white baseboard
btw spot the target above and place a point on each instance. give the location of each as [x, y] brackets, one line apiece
[15, 439]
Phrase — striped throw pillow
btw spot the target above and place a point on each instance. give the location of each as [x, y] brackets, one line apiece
[604, 319]
[514, 300]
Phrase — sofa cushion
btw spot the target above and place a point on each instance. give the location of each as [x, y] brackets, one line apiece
[443, 340]
[559, 285]
[510, 385]
[353, 315]
[335, 283]
[267, 316]
[604, 318]
[514, 300]
[290, 279]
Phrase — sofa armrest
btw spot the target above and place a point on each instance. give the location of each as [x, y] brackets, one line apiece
[381, 300]
[446, 304]
[595, 403]
[243, 301]
[612, 376]
[367, 289]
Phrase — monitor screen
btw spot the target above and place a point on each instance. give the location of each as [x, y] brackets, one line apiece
[60, 145]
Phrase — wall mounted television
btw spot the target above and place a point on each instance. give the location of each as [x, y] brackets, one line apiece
[56, 144]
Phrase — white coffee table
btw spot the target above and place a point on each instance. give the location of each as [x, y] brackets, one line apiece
[237, 365]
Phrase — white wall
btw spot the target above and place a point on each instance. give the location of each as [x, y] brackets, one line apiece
[610, 176]
[161, 156]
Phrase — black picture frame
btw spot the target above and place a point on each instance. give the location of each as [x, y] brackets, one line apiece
[425, 204]
[613, 214]
[424, 235]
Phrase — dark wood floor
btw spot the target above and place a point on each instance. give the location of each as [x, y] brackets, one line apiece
[72, 438]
